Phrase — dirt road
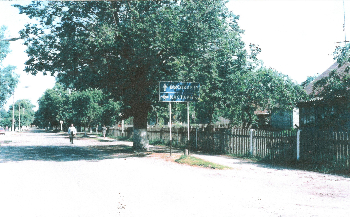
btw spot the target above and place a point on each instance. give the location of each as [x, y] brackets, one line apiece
[42, 175]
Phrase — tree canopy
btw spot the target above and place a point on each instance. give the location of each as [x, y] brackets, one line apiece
[23, 110]
[262, 89]
[85, 108]
[8, 79]
[124, 48]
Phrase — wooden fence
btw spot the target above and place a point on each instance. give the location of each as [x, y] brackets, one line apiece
[325, 147]
[243, 142]
[240, 142]
[318, 147]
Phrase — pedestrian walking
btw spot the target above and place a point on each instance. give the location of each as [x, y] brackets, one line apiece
[72, 132]
[104, 130]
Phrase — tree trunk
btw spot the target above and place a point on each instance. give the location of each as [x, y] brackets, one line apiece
[140, 130]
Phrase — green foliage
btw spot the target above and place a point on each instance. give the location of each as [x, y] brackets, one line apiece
[4, 45]
[124, 48]
[86, 106]
[83, 108]
[342, 54]
[4, 118]
[337, 83]
[24, 110]
[157, 142]
[333, 86]
[193, 161]
[53, 107]
[8, 79]
[259, 90]
[308, 80]
[111, 112]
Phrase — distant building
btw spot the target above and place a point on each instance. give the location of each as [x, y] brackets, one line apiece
[285, 119]
[335, 67]
[325, 114]
[278, 119]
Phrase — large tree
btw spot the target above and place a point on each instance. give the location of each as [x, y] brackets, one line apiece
[52, 107]
[82, 108]
[126, 47]
[86, 107]
[8, 79]
[263, 89]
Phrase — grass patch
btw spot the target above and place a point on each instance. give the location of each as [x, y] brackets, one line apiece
[193, 161]
[175, 144]
[157, 142]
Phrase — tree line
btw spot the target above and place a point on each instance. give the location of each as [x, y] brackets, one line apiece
[87, 108]
[21, 112]
[112, 54]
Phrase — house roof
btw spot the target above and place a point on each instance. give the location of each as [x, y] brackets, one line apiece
[335, 66]
[258, 112]
[341, 100]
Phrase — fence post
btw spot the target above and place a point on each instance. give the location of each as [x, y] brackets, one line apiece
[251, 141]
[232, 138]
[298, 144]
[196, 138]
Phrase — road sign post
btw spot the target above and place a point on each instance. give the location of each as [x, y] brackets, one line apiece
[170, 126]
[170, 91]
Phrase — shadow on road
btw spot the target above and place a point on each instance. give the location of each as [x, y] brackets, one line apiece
[65, 153]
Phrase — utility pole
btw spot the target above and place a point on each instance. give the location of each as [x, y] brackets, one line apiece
[13, 112]
[344, 24]
[19, 118]
[345, 41]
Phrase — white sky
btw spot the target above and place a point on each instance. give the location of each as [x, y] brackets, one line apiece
[297, 38]
[30, 87]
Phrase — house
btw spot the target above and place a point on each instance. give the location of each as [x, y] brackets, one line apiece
[340, 70]
[325, 114]
[278, 119]
[285, 120]
[322, 114]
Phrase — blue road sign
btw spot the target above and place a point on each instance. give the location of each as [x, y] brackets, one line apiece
[170, 91]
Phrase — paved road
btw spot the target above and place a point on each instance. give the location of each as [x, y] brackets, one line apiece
[42, 175]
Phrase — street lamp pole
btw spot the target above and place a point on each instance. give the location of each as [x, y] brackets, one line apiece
[13, 112]
[19, 118]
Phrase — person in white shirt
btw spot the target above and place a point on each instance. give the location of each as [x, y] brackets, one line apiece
[72, 132]
[104, 130]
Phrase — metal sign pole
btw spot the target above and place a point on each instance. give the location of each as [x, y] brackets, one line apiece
[170, 126]
[188, 121]
[188, 126]
[170, 91]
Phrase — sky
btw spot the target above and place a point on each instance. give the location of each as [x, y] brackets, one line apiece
[297, 38]
[30, 87]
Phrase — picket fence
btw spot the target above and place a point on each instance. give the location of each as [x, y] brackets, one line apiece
[325, 147]
[290, 145]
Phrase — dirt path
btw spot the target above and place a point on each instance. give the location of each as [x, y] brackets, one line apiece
[43, 175]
